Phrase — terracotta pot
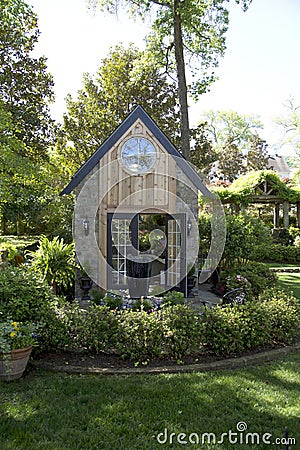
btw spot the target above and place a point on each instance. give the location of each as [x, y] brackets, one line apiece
[13, 367]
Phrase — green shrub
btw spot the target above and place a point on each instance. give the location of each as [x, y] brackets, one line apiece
[142, 304]
[97, 330]
[272, 319]
[219, 330]
[284, 312]
[243, 232]
[55, 262]
[275, 253]
[61, 327]
[140, 335]
[257, 274]
[173, 298]
[181, 336]
[97, 296]
[23, 295]
[112, 301]
[173, 332]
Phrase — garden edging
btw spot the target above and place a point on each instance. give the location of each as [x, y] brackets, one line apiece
[232, 363]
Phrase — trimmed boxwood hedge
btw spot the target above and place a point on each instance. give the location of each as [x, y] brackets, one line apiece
[275, 253]
[176, 331]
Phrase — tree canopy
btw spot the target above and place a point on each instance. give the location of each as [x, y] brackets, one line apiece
[236, 143]
[124, 79]
[26, 87]
[289, 123]
[188, 30]
[27, 172]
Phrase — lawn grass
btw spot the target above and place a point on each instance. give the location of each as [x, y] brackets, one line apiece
[56, 411]
[288, 280]
[276, 265]
[291, 281]
[19, 241]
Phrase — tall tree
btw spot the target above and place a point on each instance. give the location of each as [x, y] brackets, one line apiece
[289, 123]
[182, 30]
[203, 154]
[236, 143]
[125, 78]
[26, 88]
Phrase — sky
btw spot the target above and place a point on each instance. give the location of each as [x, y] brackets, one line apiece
[260, 69]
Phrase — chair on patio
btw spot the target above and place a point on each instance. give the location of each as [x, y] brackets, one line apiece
[234, 297]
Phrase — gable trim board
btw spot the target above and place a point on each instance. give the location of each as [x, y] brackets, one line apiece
[137, 113]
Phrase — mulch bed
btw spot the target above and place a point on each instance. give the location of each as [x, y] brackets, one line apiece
[103, 361]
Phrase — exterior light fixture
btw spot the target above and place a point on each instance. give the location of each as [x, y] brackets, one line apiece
[189, 226]
[86, 226]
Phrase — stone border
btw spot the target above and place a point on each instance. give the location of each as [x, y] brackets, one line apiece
[232, 363]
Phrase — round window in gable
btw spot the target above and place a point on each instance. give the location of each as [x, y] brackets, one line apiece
[138, 155]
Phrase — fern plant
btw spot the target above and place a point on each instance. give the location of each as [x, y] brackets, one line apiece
[55, 261]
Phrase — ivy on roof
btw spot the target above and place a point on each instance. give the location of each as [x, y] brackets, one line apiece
[242, 190]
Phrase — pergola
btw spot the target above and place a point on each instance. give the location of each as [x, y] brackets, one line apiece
[263, 187]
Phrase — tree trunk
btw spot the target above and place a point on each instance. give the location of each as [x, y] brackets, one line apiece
[182, 88]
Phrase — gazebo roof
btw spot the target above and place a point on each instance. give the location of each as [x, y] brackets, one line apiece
[263, 186]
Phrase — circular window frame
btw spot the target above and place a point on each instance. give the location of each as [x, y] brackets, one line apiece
[126, 168]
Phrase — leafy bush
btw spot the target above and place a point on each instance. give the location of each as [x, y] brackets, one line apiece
[142, 305]
[284, 312]
[97, 297]
[243, 232]
[275, 253]
[173, 298]
[112, 301]
[272, 319]
[237, 281]
[57, 326]
[97, 329]
[23, 295]
[258, 275]
[181, 325]
[140, 335]
[55, 262]
[173, 332]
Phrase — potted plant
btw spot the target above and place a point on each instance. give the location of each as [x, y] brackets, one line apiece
[16, 342]
[191, 278]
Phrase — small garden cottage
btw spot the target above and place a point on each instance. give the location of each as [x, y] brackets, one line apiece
[136, 209]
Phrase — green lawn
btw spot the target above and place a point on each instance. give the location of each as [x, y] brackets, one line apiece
[287, 280]
[57, 411]
[290, 281]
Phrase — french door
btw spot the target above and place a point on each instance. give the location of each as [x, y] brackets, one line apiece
[127, 232]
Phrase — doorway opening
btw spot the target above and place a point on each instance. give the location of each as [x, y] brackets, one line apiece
[156, 238]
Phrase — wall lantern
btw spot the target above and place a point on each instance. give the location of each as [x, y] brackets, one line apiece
[86, 226]
[189, 226]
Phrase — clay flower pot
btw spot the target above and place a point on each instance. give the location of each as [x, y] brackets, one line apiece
[13, 364]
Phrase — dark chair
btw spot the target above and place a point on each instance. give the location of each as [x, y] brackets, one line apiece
[234, 297]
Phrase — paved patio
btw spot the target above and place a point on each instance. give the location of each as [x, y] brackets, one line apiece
[202, 295]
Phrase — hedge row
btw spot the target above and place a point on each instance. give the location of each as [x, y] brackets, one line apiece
[176, 331]
[172, 332]
[275, 253]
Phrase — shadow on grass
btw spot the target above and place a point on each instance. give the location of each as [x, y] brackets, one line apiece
[59, 411]
[290, 281]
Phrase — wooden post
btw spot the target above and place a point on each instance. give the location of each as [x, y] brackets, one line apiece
[276, 216]
[286, 207]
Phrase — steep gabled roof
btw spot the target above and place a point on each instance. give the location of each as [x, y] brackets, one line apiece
[137, 113]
